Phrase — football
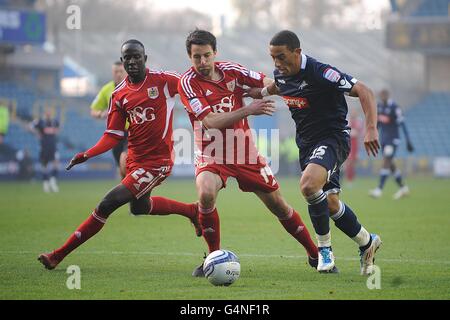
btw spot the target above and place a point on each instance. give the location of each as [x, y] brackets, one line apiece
[222, 267]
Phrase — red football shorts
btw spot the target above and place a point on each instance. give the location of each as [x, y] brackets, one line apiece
[141, 180]
[250, 177]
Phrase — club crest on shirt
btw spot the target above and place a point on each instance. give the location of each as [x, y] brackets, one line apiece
[231, 85]
[153, 92]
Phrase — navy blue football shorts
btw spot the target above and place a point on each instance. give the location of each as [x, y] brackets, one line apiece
[329, 153]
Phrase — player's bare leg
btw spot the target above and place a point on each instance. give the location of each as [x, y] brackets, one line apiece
[291, 221]
[208, 185]
[114, 199]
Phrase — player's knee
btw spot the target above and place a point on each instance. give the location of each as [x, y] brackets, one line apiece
[308, 186]
[106, 207]
[139, 210]
[333, 203]
[207, 198]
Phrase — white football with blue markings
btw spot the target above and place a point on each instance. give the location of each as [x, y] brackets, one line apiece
[222, 267]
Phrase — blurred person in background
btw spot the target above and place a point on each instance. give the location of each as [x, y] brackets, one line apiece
[4, 121]
[390, 119]
[47, 129]
[99, 110]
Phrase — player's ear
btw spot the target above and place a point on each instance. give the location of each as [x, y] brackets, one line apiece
[121, 60]
[145, 58]
[298, 51]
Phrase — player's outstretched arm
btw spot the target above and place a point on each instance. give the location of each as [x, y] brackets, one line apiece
[269, 89]
[106, 142]
[368, 104]
[227, 119]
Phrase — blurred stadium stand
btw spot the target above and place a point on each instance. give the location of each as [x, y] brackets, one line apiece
[414, 66]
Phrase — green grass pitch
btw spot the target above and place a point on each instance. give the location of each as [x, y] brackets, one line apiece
[153, 257]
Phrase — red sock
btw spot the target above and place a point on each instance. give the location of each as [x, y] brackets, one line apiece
[209, 220]
[295, 226]
[86, 230]
[164, 206]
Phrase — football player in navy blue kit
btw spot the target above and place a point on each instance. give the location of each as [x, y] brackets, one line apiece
[47, 129]
[314, 93]
[390, 119]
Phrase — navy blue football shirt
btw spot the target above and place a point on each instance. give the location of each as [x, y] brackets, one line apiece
[390, 118]
[315, 97]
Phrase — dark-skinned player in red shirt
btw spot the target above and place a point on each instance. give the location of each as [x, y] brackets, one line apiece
[146, 99]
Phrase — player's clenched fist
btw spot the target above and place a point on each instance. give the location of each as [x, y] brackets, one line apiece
[78, 158]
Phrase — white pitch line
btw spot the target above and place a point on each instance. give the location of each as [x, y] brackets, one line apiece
[154, 253]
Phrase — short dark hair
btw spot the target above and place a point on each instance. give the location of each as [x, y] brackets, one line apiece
[200, 37]
[133, 41]
[286, 38]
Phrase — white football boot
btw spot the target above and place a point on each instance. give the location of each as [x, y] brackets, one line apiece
[367, 258]
[375, 193]
[326, 261]
[53, 185]
[402, 192]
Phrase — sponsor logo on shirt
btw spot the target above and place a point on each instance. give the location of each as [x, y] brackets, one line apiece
[225, 105]
[255, 75]
[296, 102]
[139, 115]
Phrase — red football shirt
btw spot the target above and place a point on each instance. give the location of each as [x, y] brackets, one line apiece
[201, 96]
[148, 106]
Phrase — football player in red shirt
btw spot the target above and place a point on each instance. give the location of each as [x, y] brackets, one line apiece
[212, 93]
[146, 99]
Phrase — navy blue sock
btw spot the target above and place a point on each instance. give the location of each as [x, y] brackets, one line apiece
[346, 220]
[384, 174]
[54, 173]
[364, 248]
[398, 178]
[319, 212]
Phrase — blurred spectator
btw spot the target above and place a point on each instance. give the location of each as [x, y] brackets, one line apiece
[26, 169]
[99, 110]
[4, 121]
